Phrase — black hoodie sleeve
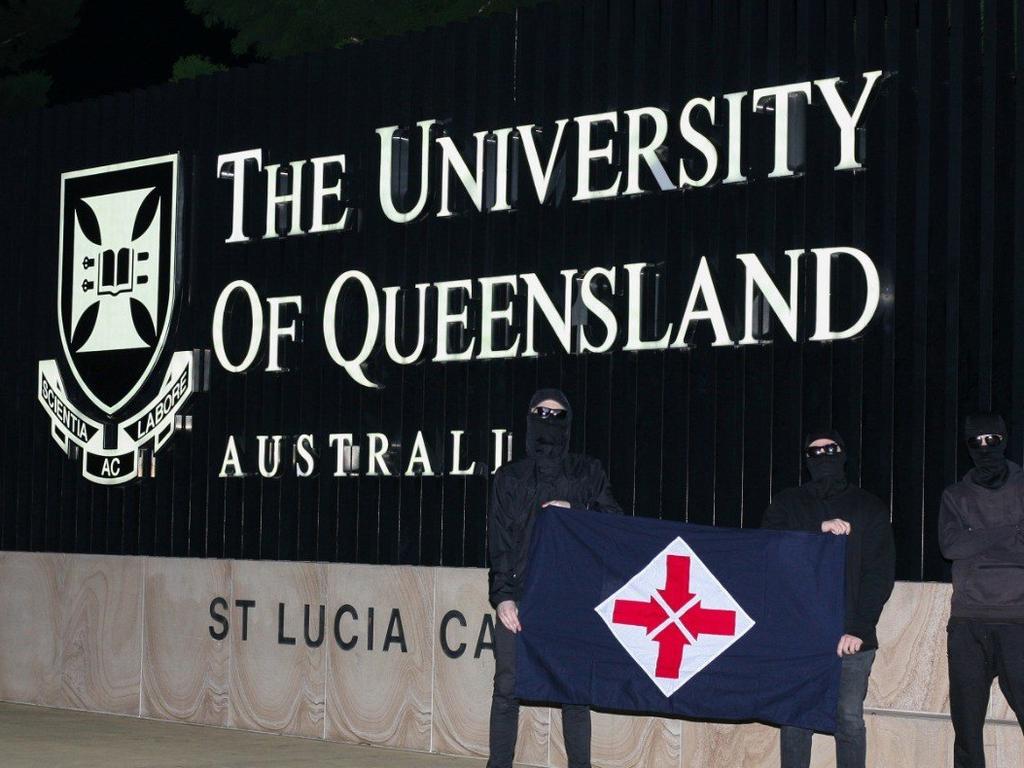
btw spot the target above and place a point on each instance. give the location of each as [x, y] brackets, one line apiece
[877, 574]
[957, 540]
[774, 517]
[500, 541]
[603, 501]
[785, 513]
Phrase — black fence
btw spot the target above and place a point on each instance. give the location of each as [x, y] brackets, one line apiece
[705, 434]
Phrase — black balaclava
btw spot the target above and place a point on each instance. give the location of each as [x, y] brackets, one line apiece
[828, 473]
[547, 440]
[990, 465]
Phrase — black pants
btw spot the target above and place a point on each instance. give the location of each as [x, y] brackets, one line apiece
[505, 710]
[851, 736]
[977, 652]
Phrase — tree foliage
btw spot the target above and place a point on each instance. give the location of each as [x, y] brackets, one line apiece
[28, 28]
[25, 91]
[273, 28]
[260, 29]
[194, 65]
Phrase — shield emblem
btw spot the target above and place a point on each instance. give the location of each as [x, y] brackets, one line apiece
[117, 274]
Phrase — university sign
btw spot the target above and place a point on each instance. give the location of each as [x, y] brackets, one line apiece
[116, 392]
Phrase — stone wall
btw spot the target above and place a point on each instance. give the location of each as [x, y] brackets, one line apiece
[401, 661]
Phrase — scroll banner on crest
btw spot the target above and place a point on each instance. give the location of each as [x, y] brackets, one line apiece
[115, 460]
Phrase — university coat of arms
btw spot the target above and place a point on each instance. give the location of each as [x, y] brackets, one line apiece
[117, 280]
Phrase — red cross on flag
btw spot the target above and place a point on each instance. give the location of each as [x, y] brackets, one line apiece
[674, 617]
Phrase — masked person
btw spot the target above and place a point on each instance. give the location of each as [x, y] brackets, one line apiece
[981, 529]
[549, 475]
[831, 504]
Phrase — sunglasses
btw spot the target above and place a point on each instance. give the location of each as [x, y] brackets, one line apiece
[823, 450]
[981, 440]
[548, 413]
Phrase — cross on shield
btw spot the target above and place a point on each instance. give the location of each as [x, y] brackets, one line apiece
[117, 274]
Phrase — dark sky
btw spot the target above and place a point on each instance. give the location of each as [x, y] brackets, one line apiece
[124, 44]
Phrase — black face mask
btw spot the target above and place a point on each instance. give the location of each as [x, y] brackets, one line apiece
[827, 467]
[991, 469]
[547, 440]
[828, 473]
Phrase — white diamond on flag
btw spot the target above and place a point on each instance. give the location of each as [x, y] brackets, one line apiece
[674, 617]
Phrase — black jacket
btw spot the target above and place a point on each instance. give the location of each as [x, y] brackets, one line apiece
[982, 531]
[870, 552]
[517, 491]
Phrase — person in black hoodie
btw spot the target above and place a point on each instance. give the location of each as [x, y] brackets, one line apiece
[981, 529]
[549, 475]
[831, 504]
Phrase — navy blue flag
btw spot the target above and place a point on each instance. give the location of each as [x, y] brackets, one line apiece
[662, 617]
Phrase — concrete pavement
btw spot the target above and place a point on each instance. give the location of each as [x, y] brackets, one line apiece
[39, 737]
